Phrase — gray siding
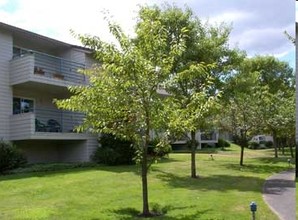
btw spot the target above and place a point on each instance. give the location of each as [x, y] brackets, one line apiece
[5, 89]
[21, 126]
[92, 144]
[296, 87]
[21, 68]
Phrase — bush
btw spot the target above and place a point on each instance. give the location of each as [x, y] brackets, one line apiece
[261, 145]
[114, 151]
[221, 143]
[269, 144]
[10, 157]
[49, 167]
[159, 148]
[253, 145]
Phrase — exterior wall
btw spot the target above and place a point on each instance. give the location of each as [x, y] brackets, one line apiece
[296, 90]
[5, 89]
[75, 55]
[21, 69]
[21, 126]
[92, 144]
[53, 151]
[73, 152]
[39, 151]
[68, 147]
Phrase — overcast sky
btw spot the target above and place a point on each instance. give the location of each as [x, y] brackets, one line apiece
[258, 25]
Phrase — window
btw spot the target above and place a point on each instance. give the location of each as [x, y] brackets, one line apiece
[21, 105]
[18, 52]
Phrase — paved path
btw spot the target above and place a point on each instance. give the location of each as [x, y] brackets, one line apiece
[279, 193]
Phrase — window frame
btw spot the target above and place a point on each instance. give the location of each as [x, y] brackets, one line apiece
[21, 109]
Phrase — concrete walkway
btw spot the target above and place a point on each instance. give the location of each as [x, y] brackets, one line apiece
[280, 194]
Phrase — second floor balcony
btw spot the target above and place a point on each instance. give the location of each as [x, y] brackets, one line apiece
[39, 67]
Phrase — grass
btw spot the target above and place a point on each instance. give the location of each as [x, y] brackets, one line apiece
[223, 191]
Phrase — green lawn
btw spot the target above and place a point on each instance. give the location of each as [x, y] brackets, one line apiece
[223, 191]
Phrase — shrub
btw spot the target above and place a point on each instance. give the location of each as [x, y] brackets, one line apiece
[49, 167]
[10, 157]
[221, 143]
[253, 145]
[114, 151]
[269, 144]
[159, 148]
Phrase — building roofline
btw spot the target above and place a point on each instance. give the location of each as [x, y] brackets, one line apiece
[21, 31]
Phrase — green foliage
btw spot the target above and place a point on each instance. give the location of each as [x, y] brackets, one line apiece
[269, 144]
[114, 151]
[253, 145]
[50, 167]
[10, 157]
[122, 97]
[262, 145]
[221, 143]
[159, 148]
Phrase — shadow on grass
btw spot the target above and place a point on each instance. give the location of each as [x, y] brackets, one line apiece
[273, 160]
[256, 168]
[201, 151]
[132, 213]
[46, 170]
[60, 170]
[215, 182]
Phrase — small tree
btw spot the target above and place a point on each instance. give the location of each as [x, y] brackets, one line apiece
[191, 104]
[242, 100]
[196, 76]
[122, 97]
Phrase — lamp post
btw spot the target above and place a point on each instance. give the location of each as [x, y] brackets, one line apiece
[253, 209]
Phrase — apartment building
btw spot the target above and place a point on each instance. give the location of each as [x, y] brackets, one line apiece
[34, 70]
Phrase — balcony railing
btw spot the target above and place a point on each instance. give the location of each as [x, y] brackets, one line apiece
[57, 120]
[209, 136]
[47, 66]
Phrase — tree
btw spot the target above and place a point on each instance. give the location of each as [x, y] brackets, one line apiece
[277, 80]
[191, 104]
[242, 100]
[259, 95]
[122, 97]
[196, 78]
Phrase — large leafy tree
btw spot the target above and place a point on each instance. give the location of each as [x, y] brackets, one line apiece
[242, 101]
[278, 79]
[260, 91]
[197, 75]
[122, 97]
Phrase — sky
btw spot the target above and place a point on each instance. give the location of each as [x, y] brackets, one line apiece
[258, 25]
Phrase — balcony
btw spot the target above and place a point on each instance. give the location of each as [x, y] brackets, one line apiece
[43, 68]
[209, 137]
[46, 124]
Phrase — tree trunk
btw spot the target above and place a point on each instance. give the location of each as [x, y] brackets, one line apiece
[275, 144]
[241, 155]
[243, 144]
[193, 154]
[290, 144]
[144, 181]
[296, 159]
[146, 212]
